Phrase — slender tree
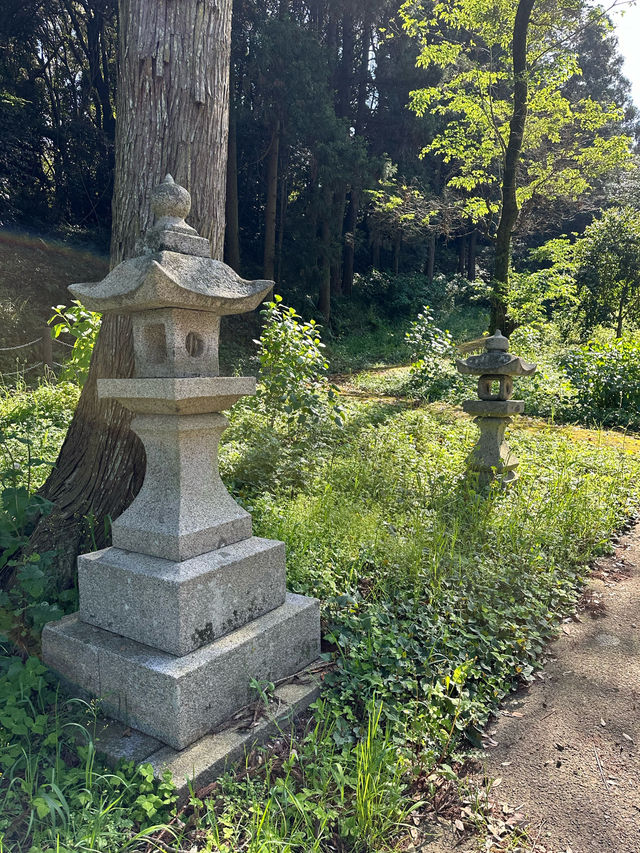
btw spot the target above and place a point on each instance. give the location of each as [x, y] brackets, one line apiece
[513, 136]
[608, 269]
[172, 116]
[517, 123]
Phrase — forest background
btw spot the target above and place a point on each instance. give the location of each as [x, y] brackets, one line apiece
[367, 151]
[336, 188]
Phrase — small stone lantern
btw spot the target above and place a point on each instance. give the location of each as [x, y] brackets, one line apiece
[187, 606]
[495, 368]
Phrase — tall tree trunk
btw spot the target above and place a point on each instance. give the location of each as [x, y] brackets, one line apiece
[375, 250]
[232, 230]
[471, 255]
[462, 252]
[345, 69]
[324, 295]
[172, 116]
[282, 218]
[339, 203]
[363, 77]
[620, 318]
[397, 247]
[271, 206]
[431, 258]
[509, 210]
[349, 250]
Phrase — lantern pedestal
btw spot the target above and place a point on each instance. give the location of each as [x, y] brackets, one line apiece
[188, 608]
[492, 457]
[179, 699]
[495, 368]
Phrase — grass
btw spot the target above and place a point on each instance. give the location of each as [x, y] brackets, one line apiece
[33, 423]
[436, 601]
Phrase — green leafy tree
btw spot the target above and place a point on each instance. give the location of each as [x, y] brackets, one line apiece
[293, 369]
[83, 326]
[512, 133]
[532, 296]
[608, 269]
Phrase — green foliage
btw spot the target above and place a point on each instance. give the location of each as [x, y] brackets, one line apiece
[53, 794]
[320, 793]
[69, 116]
[400, 210]
[606, 378]
[83, 326]
[29, 596]
[436, 602]
[432, 371]
[422, 577]
[293, 369]
[531, 297]
[607, 269]
[33, 423]
[567, 144]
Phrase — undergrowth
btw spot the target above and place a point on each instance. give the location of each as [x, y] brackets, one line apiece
[436, 601]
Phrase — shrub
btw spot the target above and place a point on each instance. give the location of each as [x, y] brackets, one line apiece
[293, 369]
[433, 349]
[606, 377]
[83, 325]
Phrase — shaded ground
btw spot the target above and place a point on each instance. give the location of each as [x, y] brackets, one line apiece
[565, 751]
[34, 276]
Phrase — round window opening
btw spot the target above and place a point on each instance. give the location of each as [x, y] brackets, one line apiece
[194, 344]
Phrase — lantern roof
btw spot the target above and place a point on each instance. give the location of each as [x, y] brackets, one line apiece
[496, 360]
[174, 270]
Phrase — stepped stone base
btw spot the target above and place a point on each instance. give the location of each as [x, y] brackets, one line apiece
[205, 760]
[180, 699]
[178, 607]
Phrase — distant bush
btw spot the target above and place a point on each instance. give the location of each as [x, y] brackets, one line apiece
[293, 369]
[398, 296]
[606, 378]
[432, 372]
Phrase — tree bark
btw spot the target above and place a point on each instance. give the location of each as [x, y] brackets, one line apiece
[345, 69]
[509, 209]
[431, 258]
[471, 255]
[375, 250]
[397, 247]
[232, 230]
[271, 206]
[281, 226]
[620, 318]
[462, 251]
[363, 77]
[338, 218]
[349, 250]
[324, 295]
[172, 116]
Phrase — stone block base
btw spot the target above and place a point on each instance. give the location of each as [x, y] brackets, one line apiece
[178, 607]
[208, 758]
[180, 699]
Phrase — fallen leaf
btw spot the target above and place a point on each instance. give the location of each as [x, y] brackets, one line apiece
[459, 825]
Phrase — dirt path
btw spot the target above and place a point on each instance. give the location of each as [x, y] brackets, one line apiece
[568, 748]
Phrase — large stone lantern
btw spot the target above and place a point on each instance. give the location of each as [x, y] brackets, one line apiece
[495, 368]
[186, 607]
